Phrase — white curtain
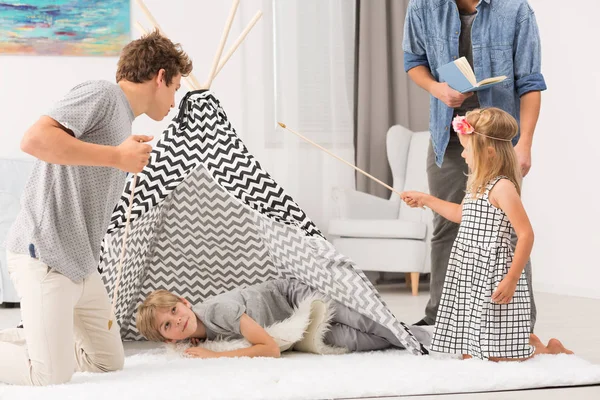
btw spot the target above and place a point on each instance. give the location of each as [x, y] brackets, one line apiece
[303, 76]
[296, 66]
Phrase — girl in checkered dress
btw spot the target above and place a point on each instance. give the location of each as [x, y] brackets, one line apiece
[484, 310]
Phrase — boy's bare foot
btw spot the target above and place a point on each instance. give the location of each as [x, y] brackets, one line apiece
[556, 347]
[466, 356]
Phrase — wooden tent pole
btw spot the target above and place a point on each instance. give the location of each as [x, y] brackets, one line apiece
[341, 159]
[228, 23]
[122, 256]
[154, 22]
[239, 41]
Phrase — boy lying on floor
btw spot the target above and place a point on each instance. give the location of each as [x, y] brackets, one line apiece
[264, 315]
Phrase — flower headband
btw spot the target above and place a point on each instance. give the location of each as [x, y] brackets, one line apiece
[462, 126]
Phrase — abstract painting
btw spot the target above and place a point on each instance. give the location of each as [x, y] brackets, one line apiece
[64, 27]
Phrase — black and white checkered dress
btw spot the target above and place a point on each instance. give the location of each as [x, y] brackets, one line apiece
[467, 321]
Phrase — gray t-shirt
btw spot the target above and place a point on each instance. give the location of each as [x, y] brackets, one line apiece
[465, 49]
[66, 209]
[266, 303]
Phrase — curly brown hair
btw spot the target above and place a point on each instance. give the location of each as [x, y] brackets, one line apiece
[141, 59]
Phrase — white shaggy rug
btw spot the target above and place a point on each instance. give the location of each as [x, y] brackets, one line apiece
[159, 374]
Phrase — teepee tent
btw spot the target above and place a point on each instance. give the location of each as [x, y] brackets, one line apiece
[206, 218]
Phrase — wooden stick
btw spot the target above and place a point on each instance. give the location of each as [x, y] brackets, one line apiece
[341, 159]
[185, 79]
[122, 257]
[213, 70]
[154, 22]
[239, 41]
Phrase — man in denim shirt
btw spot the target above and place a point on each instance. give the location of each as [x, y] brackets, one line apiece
[498, 37]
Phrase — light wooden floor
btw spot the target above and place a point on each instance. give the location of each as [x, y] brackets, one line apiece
[574, 320]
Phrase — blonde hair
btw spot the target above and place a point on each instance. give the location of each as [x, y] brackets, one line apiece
[496, 129]
[146, 314]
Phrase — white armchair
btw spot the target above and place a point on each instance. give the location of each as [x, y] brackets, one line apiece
[387, 235]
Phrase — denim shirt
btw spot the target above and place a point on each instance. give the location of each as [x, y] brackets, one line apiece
[505, 41]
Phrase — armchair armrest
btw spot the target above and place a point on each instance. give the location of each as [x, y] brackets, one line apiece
[351, 204]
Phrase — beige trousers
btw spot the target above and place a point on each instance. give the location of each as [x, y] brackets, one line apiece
[65, 327]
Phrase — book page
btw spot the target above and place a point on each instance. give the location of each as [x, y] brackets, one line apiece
[491, 80]
[467, 71]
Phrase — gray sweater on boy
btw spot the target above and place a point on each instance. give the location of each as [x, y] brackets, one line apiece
[266, 303]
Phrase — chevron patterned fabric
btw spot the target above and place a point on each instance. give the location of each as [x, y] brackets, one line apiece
[207, 218]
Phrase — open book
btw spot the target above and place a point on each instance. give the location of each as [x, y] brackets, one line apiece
[460, 76]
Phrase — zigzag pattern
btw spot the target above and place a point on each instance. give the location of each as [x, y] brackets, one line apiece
[365, 298]
[228, 225]
[315, 262]
[207, 244]
[139, 241]
[206, 137]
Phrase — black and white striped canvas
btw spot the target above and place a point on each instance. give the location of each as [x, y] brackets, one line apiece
[207, 218]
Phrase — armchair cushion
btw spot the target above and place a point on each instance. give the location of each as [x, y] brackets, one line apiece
[356, 205]
[378, 228]
[385, 235]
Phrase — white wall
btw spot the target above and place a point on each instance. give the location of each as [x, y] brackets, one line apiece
[30, 85]
[562, 193]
